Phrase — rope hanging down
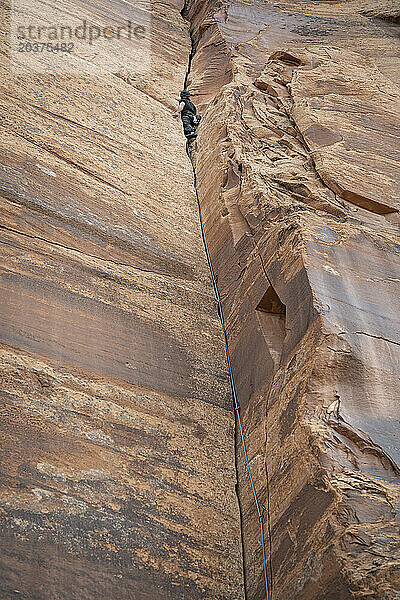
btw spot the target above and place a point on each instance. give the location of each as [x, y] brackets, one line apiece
[232, 382]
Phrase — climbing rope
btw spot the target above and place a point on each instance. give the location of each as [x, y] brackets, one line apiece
[231, 378]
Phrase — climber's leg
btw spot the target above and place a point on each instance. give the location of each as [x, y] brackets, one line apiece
[188, 129]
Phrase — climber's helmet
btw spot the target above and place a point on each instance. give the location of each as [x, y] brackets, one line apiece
[185, 94]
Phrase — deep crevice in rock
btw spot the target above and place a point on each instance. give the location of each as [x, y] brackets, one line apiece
[236, 432]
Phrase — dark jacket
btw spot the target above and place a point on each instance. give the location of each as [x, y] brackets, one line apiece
[189, 108]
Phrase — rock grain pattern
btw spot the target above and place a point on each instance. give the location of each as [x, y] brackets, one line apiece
[118, 465]
[117, 433]
[297, 166]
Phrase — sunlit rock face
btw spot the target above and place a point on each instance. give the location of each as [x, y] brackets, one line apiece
[297, 165]
[118, 453]
[117, 434]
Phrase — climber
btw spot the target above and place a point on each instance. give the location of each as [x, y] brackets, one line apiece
[189, 116]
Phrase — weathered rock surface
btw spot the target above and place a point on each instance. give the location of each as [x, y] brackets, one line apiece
[387, 10]
[117, 456]
[117, 432]
[297, 170]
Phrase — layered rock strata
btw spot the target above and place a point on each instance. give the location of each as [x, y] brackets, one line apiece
[297, 173]
[117, 432]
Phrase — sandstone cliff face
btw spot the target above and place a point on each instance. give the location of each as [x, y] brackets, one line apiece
[297, 172]
[118, 465]
[118, 462]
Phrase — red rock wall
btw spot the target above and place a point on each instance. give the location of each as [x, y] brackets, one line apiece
[297, 171]
[117, 431]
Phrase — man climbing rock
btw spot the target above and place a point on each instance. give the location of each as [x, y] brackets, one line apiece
[189, 116]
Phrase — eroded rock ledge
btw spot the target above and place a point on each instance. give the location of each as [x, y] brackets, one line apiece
[296, 166]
